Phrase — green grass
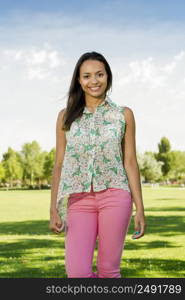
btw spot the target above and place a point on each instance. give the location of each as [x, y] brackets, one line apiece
[29, 249]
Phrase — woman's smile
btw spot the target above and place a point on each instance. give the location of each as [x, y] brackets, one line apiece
[94, 89]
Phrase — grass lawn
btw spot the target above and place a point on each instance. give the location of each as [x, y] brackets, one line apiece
[29, 249]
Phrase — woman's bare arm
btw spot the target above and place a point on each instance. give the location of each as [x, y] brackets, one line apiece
[56, 224]
[59, 157]
[132, 169]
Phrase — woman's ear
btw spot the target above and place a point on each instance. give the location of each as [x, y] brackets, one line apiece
[79, 80]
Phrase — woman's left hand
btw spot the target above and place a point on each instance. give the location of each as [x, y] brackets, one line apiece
[139, 225]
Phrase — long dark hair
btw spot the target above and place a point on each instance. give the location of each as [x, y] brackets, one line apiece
[76, 97]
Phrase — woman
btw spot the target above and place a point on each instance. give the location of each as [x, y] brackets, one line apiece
[96, 167]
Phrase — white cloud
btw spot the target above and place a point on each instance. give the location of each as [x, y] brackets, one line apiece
[180, 55]
[152, 73]
[41, 57]
[37, 73]
[38, 63]
[170, 67]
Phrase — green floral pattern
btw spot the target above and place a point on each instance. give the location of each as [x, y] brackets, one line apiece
[93, 153]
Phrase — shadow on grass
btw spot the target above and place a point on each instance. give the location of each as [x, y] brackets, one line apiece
[19, 252]
[166, 209]
[32, 227]
[23, 246]
[130, 268]
[21, 270]
[149, 245]
[169, 199]
[163, 225]
[143, 267]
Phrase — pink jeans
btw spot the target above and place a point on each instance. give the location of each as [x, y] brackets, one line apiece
[105, 216]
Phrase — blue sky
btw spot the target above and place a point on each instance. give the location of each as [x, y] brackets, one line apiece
[135, 10]
[143, 41]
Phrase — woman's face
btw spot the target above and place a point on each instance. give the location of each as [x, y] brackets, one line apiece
[93, 78]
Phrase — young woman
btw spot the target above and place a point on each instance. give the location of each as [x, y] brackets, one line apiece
[96, 167]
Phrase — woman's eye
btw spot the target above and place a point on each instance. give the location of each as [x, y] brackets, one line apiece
[87, 76]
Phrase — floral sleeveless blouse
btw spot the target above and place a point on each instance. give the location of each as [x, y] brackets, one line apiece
[93, 153]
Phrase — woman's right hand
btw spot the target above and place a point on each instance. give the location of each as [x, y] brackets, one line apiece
[140, 225]
[56, 224]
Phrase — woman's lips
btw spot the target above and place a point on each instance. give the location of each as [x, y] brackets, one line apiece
[94, 89]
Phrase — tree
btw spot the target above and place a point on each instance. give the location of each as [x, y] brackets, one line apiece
[164, 145]
[49, 164]
[163, 154]
[150, 168]
[177, 165]
[12, 166]
[33, 160]
[2, 172]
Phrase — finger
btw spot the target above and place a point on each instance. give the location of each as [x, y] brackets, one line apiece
[137, 226]
[137, 230]
[136, 234]
[56, 225]
[139, 233]
[55, 229]
[142, 228]
[61, 228]
[59, 224]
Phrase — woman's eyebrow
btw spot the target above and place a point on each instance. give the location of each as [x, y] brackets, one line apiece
[90, 73]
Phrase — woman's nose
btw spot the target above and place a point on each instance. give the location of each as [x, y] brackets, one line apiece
[94, 80]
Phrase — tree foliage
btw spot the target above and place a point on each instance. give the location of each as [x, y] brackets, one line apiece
[32, 166]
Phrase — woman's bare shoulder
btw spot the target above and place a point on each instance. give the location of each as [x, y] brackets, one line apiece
[128, 110]
[61, 113]
[60, 119]
[128, 114]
